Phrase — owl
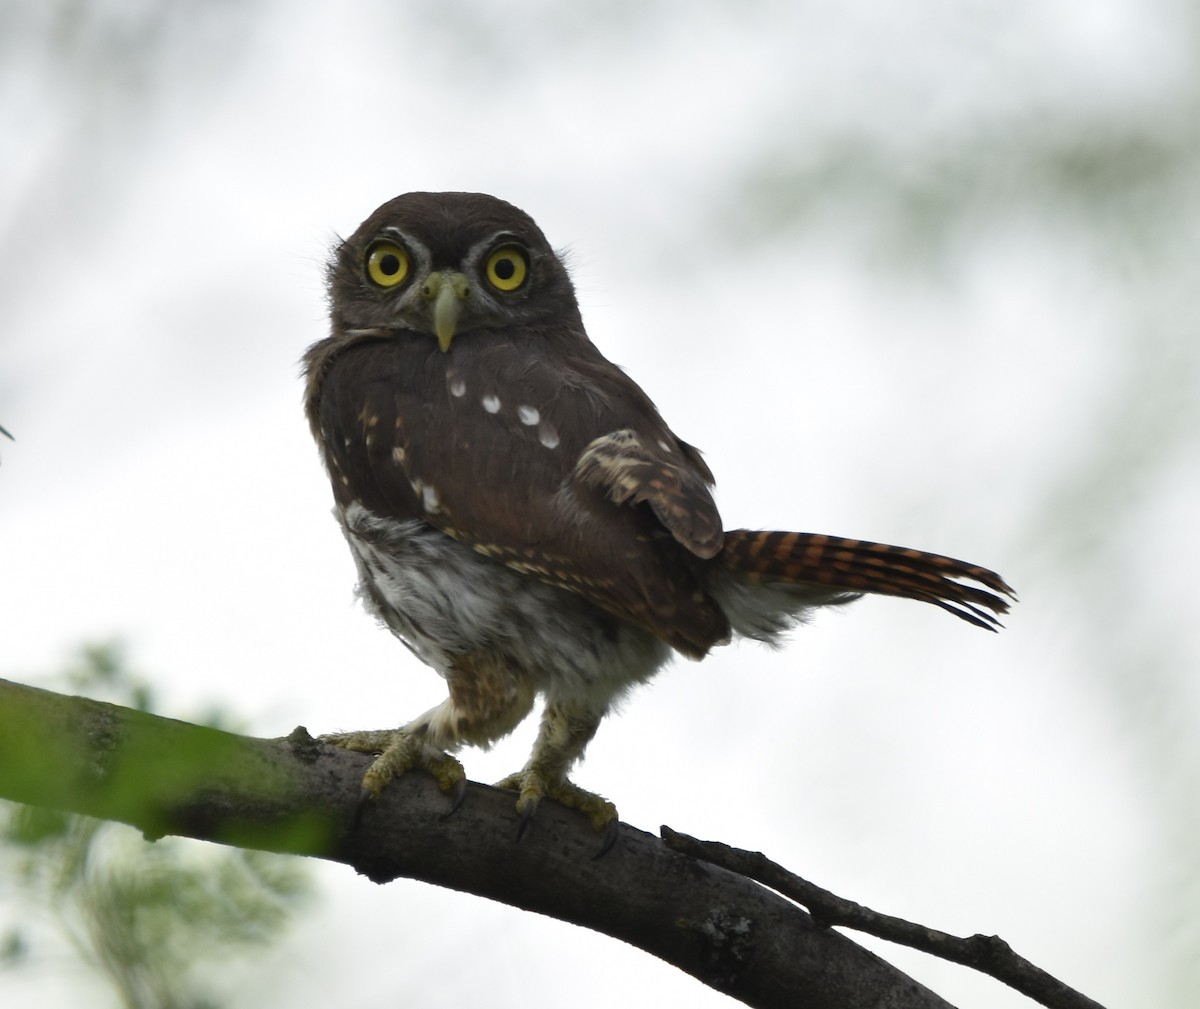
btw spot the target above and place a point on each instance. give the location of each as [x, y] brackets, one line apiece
[521, 516]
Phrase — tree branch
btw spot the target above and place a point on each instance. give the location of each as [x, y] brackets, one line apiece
[986, 953]
[299, 796]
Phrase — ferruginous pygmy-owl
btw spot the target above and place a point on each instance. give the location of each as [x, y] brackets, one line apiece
[521, 516]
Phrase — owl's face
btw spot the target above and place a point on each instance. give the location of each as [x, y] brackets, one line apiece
[445, 264]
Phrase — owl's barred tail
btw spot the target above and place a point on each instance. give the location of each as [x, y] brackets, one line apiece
[861, 566]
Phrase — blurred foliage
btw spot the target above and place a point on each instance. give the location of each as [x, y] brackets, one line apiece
[153, 919]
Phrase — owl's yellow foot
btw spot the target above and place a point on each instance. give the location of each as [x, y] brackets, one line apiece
[535, 785]
[401, 750]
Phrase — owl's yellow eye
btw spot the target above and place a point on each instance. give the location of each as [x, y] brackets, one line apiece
[387, 264]
[506, 268]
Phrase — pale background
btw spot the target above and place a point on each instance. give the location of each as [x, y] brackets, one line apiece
[921, 272]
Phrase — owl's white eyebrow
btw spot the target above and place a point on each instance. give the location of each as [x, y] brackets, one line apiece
[499, 238]
[396, 233]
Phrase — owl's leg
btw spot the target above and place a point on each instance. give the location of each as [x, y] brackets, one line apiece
[487, 700]
[564, 733]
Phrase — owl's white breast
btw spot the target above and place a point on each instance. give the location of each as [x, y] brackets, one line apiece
[444, 599]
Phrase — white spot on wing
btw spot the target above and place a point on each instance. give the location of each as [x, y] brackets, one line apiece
[398, 455]
[528, 415]
[547, 435]
[429, 498]
[664, 446]
[458, 387]
[491, 403]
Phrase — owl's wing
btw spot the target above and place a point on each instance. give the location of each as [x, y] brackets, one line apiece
[563, 470]
[632, 470]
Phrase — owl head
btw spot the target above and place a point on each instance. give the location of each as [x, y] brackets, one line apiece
[444, 264]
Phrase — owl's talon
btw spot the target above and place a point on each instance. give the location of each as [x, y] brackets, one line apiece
[526, 811]
[527, 801]
[611, 832]
[458, 795]
[360, 807]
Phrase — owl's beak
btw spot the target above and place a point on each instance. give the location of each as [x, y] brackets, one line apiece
[447, 291]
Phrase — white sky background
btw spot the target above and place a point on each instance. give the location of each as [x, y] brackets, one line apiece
[1015, 391]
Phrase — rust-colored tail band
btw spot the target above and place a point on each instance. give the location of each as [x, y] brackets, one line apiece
[863, 566]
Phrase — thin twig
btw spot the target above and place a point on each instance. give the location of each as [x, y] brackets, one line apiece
[986, 953]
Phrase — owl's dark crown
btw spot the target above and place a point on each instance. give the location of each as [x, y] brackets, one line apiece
[389, 273]
[451, 223]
